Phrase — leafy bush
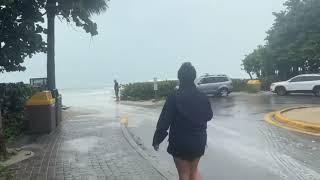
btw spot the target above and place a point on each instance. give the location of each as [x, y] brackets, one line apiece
[5, 173]
[239, 85]
[13, 97]
[144, 90]
[251, 89]
[267, 81]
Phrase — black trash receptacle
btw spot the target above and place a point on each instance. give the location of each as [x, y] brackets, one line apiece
[58, 105]
[41, 113]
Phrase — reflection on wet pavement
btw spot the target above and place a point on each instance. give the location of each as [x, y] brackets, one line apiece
[81, 145]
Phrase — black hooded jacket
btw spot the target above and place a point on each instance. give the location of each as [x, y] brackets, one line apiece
[186, 113]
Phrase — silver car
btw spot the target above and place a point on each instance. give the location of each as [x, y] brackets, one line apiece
[218, 85]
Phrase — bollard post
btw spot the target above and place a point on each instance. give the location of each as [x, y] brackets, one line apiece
[155, 88]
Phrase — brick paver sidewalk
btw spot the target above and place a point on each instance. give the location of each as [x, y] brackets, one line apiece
[85, 147]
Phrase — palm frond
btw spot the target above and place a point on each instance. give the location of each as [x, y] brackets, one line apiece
[93, 6]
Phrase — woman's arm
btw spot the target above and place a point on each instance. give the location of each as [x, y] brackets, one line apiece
[166, 117]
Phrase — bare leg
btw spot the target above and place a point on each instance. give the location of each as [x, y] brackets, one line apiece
[183, 168]
[194, 171]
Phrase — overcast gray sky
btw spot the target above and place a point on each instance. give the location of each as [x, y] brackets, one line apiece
[142, 39]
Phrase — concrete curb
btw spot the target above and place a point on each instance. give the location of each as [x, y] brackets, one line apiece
[278, 119]
[163, 172]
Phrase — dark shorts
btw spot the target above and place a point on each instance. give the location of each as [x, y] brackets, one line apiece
[188, 148]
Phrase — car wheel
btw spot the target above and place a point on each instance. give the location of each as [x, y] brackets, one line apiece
[316, 91]
[223, 92]
[281, 91]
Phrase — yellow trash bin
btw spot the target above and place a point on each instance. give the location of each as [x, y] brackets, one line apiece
[40, 112]
[255, 84]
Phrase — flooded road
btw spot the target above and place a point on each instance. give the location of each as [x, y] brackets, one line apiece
[241, 145]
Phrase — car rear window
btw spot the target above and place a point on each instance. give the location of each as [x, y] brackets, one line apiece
[222, 79]
[213, 80]
[208, 80]
[313, 78]
[298, 79]
[306, 78]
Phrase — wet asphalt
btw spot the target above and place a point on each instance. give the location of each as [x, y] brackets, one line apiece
[241, 145]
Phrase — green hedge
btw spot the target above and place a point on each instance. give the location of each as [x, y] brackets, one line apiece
[239, 85]
[144, 90]
[13, 97]
[267, 81]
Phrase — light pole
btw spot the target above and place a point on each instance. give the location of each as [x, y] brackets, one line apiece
[51, 13]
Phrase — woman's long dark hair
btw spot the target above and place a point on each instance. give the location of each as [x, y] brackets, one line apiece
[186, 75]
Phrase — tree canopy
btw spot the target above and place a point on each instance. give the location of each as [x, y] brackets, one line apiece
[22, 26]
[292, 43]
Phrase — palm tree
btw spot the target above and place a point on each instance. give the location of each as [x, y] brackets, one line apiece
[84, 9]
[79, 11]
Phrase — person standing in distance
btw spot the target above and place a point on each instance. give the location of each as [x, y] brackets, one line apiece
[186, 113]
[116, 89]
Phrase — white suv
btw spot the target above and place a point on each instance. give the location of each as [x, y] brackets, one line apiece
[306, 83]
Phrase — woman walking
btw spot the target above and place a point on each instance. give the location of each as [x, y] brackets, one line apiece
[186, 113]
